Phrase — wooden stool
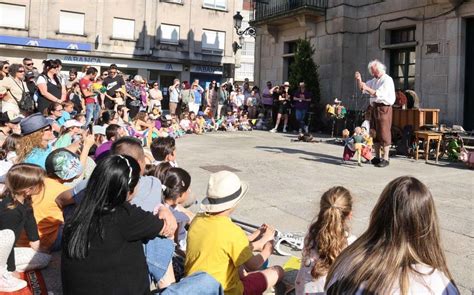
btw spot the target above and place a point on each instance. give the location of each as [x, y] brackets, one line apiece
[427, 136]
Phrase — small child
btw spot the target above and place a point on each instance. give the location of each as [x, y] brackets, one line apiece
[244, 124]
[68, 111]
[16, 215]
[359, 143]
[349, 149]
[163, 149]
[327, 236]
[185, 123]
[221, 248]
[201, 122]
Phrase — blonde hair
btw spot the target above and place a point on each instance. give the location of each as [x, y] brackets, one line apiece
[28, 143]
[21, 177]
[403, 231]
[328, 234]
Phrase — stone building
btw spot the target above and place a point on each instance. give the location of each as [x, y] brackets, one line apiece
[427, 45]
[160, 40]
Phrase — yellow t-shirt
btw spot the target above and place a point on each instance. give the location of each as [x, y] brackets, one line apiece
[48, 215]
[217, 246]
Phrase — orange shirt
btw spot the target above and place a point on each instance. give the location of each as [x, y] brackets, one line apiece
[49, 217]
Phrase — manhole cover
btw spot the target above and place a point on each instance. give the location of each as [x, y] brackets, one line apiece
[217, 168]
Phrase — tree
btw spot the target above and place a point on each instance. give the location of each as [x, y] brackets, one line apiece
[304, 69]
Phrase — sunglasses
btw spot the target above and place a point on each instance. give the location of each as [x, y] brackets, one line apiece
[21, 71]
[30, 64]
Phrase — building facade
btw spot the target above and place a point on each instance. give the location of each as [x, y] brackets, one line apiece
[246, 56]
[427, 45]
[160, 40]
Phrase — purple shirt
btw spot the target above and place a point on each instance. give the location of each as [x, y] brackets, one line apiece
[303, 105]
[105, 147]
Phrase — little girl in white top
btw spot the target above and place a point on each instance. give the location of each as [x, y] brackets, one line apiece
[327, 237]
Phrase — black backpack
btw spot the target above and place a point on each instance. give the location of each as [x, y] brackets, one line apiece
[26, 102]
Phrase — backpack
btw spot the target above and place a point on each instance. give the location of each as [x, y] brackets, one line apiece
[26, 102]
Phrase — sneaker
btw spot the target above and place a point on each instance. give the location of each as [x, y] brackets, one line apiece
[273, 130]
[375, 161]
[8, 283]
[383, 163]
[306, 129]
[284, 130]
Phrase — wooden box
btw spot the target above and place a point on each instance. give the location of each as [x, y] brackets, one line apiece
[415, 117]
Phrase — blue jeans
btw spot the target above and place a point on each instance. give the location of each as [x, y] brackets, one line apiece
[92, 111]
[197, 283]
[158, 253]
[300, 115]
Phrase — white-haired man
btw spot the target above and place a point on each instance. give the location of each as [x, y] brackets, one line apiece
[382, 96]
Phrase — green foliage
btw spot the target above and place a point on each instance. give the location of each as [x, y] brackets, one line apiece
[304, 69]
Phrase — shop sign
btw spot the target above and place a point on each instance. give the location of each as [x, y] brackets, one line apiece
[206, 69]
[45, 43]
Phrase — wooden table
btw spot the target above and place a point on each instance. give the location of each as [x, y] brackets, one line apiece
[427, 136]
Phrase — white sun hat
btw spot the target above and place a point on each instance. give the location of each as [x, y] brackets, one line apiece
[224, 191]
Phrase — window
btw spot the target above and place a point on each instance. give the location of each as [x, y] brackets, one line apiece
[248, 49]
[169, 34]
[245, 71]
[215, 4]
[12, 16]
[402, 70]
[173, 1]
[402, 35]
[213, 42]
[71, 23]
[123, 29]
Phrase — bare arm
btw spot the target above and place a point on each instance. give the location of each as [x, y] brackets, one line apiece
[64, 199]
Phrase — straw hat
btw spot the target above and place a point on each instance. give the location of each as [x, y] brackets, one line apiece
[224, 191]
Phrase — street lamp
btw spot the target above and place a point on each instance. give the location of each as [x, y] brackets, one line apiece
[249, 31]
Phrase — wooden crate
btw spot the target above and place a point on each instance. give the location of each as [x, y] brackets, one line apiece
[415, 117]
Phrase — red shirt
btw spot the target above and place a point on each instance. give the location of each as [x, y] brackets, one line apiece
[86, 84]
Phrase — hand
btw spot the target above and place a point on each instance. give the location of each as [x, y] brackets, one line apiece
[89, 141]
[268, 233]
[170, 225]
[358, 76]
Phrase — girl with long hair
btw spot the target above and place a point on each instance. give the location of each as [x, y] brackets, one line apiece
[4, 67]
[8, 152]
[400, 252]
[102, 242]
[49, 85]
[327, 236]
[16, 215]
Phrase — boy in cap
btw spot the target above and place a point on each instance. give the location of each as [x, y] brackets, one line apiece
[62, 166]
[219, 247]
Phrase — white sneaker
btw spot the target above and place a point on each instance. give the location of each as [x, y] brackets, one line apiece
[273, 130]
[306, 129]
[8, 283]
[284, 130]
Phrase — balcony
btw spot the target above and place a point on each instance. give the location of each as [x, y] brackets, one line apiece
[280, 9]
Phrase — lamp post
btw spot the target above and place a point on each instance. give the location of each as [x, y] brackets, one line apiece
[249, 31]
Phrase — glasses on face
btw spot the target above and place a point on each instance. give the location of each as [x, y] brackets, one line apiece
[58, 110]
[48, 128]
[29, 64]
[21, 71]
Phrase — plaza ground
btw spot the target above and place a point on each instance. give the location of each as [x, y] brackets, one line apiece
[287, 180]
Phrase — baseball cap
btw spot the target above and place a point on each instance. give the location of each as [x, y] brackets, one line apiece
[29, 74]
[63, 164]
[97, 129]
[72, 123]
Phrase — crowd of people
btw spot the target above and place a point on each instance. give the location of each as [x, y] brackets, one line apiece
[77, 179]
[132, 101]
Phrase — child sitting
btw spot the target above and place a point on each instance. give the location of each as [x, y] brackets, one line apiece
[219, 247]
[349, 149]
[164, 150]
[327, 236]
[16, 215]
[244, 124]
[201, 122]
[185, 123]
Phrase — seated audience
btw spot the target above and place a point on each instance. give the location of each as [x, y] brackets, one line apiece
[219, 247]
[400, 252]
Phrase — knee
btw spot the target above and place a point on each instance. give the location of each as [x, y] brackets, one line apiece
[279, 271]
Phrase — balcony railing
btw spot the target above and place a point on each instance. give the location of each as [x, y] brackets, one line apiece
[276, 8]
